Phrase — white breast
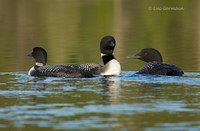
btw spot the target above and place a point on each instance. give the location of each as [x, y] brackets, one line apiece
[112, 68]
[29, 73]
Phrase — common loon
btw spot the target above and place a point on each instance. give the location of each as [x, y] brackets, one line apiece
[110, 65]
[155, 65]
[41, 69]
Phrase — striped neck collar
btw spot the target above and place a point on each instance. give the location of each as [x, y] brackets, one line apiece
[106, 58]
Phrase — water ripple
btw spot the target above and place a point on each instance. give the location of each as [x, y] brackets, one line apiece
[99, 102]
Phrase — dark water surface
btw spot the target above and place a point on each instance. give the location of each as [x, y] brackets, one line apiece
[70, 31]
[128, 102]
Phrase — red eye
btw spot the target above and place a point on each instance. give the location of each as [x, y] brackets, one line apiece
[145, 54]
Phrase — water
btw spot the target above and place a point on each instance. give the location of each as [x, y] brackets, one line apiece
[70, 31]
[126, 102]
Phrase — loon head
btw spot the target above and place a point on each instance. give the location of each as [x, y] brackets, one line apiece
[40, 56]
[148, 55]
[107, 45]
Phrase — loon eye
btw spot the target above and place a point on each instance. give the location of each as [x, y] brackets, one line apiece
[145, 54]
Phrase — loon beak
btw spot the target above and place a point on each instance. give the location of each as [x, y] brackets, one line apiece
[134, 56]
[30, 54]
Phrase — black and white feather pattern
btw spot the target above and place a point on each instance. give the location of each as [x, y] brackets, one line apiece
[94, 68]
[158, 68]
[60, 71]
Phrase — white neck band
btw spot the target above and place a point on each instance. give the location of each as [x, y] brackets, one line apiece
[39, 64]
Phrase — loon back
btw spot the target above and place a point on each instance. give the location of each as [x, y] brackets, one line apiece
[94, 68]
[59, 71]
[159, 68]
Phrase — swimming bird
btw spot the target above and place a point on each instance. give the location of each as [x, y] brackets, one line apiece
[41, 69]
[110, 65]
[155, 65]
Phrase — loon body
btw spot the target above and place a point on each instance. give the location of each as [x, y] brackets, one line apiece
[110, 65]
[42, 70]
[155, 65]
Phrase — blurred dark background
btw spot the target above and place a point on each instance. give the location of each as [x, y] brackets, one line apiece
[71, 30]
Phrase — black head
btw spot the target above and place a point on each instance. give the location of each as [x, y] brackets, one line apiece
[107, 45]
[39, 54]
[148, 55]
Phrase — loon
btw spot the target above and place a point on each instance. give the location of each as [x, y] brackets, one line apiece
[41, 69]
[110, 65]
[155, 65]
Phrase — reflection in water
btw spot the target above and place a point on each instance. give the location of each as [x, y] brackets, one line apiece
[38, 84]
[111, 89]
